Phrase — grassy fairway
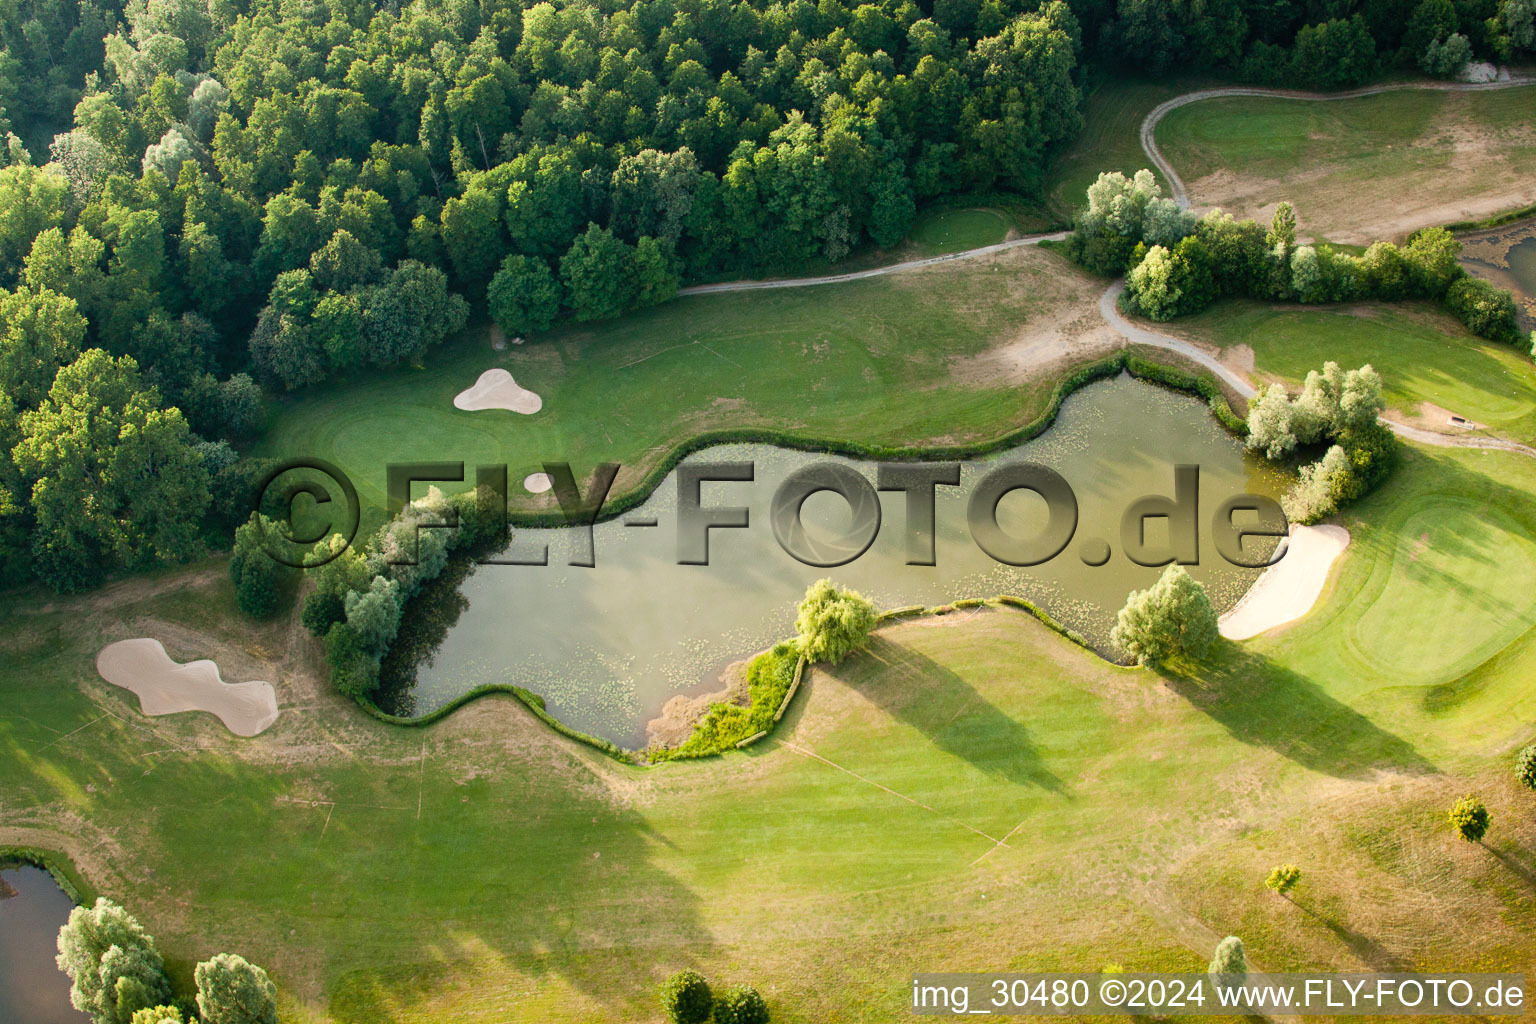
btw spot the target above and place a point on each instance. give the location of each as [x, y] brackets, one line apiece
[941, 231]
[914, 357]
[1424, 356]
[484, 869]
[1447, 156]
[1110, 140]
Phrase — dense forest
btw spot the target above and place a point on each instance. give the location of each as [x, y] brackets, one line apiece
[203, 200]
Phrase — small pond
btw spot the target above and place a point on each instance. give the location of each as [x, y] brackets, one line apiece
[1507, 257]
[32, 910]
[607, 646]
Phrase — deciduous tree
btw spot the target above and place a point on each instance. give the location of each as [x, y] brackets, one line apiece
[113, 966]
[833, 622]
[1172, 618]
[232, 991]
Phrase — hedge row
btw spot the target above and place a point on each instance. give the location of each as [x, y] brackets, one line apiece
[1498, 220]
[1184, 380]
[64, 873]
[533, 701]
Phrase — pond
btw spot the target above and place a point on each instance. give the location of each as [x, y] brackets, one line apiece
[1507, 257]
[607, 646]
[32, 910]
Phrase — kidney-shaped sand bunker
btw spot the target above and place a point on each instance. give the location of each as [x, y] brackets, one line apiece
[166, 686]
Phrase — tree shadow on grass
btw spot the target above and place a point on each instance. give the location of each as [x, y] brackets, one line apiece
[916, 690]
[559, 887]
[1265, 704]
[1366, 949]
[1516, 867]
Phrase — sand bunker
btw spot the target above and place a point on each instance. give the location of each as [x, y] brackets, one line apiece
[166, 686]
[537, 483]
[1289, 588]
[497, 390]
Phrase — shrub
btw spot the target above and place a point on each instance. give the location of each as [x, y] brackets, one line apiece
[1470, 819]
[1487, 310]
[1102, 251]
[1431, 255]
[1446, 58]
[686, 999]
[1283, 878]
[158, 1015]
[1270, 423]
[1239, 257]
[255, 574]
[1316, 494]
[741, 1005]
[832, 622]
[1172, 617]
[354, 669]
[1525, 767]
[1230, 959]
[1373, 451]
[231, 990]
[1153, 284]
[1387, 274]
[322, 610]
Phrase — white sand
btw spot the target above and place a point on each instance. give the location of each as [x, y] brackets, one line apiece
[537, 483]
[497, 390]
[166, 686]
[1289, 588]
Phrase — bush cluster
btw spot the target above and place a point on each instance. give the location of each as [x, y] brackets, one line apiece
[1176, 264]
[117, 976]
[769, 677]
[686, 998]
[1335, 408]
[361, 594]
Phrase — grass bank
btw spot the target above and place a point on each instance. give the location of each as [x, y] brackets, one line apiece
[1431, 364]
[1359, 169]
[910, 359]
[957, 798]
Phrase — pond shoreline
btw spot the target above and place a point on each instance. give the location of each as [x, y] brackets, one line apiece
[1123, 361]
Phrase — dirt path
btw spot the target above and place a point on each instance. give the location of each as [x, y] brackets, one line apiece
[1143, 336]
[1176, 184]
[1107, 302]
[859, 275]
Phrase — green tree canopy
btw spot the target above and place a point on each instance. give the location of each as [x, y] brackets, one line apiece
[232, 991]
[114, 477]
[1172, 618]
[833, 622]
[524, 297]
[113, 966]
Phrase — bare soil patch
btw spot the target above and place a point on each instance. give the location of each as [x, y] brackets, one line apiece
[680, 714]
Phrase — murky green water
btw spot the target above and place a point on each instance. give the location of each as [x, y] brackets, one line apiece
[1507, 257]
[32, 988]
[607, 646]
